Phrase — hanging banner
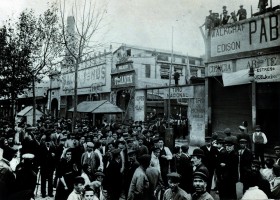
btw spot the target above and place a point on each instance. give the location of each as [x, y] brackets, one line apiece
[261, 75]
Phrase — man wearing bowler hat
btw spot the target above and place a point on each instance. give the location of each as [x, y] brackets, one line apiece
[229, 171]
[200, 184]
[175, 192]
[196, 159]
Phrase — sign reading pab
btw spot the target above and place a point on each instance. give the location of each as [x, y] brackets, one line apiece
[258, 33]
[216, 69]
[179, 92]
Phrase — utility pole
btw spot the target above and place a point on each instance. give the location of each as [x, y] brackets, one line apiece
[169, 136]
[169, 86]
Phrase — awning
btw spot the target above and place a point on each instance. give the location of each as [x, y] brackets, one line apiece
[103, 106]
[28, 111]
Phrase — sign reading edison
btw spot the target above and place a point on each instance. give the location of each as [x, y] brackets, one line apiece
[254, 34]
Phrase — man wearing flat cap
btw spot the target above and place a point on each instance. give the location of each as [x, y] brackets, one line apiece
[209, 161]
[175, 192]
[245, 158]
[242, 13]
[277, 153]
[139, 186]
[200, 185]
[91, 158]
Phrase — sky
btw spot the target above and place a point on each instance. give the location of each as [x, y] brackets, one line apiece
[148, 23]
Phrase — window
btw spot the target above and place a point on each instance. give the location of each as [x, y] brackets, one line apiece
[183, 60]
[162, 58]
[148, 71]
[191, 61]
[179, 69]
[164, 71]
[128, 52]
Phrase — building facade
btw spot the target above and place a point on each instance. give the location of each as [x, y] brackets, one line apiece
[243, 75]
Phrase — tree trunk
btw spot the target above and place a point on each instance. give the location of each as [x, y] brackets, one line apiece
[34, 102]
[75, 99]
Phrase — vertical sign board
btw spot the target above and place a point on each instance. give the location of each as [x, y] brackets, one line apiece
[139, 105]
[257, 33]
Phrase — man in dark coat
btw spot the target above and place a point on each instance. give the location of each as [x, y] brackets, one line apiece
[245, 159]
[113, 176]
[210, 153]
[185, 169]
[47, 166]
[262, 5]
[259, 181]
[196, 159]
[242, 13]
[229, 171]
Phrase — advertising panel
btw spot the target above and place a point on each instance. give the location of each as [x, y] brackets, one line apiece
[257, 33]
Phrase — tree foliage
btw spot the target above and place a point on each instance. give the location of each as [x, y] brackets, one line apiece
[28, 48]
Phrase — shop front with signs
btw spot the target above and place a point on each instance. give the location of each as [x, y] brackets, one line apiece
[243, 76]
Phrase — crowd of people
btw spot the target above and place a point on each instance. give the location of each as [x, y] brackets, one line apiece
[215, 19]
[131, 162]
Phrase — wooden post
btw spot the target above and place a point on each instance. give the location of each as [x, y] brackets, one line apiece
[254, 109]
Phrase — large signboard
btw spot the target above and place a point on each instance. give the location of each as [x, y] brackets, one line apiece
[179, 92]
[86, 78]
[256, 62]
[261, 75]
[123, 80]
[258, 33]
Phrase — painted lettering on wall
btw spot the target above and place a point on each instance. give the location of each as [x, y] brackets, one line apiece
[86, 77]
[179, 92]
[260, 61]
[216, 69]
[139, 103]
[123, 79]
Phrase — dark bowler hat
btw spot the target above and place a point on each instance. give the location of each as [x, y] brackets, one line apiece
[174, 177]
[198, 152]
[208, 138]
[185, 147]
